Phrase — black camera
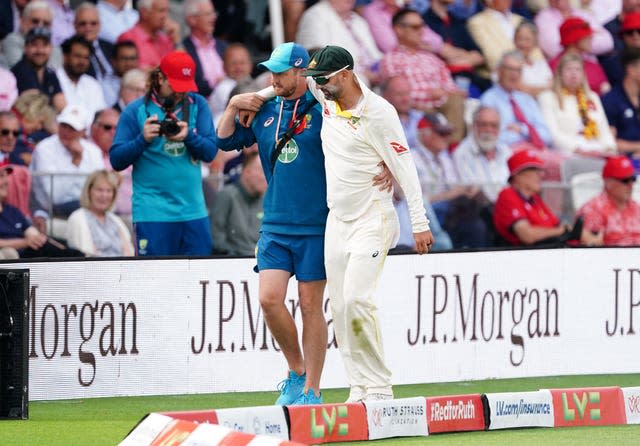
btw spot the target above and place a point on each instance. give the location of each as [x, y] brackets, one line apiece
[168, 126]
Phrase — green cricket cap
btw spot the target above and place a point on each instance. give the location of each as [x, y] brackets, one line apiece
[329, 59]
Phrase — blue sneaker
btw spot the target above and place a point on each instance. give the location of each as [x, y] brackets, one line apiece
[291, 388]
[308, 398]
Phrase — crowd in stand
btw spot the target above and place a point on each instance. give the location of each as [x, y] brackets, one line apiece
[497, 98]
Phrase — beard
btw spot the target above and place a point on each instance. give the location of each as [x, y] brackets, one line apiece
[486, 142]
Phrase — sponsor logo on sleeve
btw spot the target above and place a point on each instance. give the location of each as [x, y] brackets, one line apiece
[455, 413]
[520, 409]
[399, 148]
[596, 406]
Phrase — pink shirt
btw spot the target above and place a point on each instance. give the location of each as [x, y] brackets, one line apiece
[621, 227]
[378, 15]
[8, 89]
[423, 70]
[150, 48]
[210, 61]
[548, 21]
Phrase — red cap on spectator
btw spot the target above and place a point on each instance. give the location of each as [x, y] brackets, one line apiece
[180, 70]
[618, 167]
[523, 159]
[630, 22]
[573, 30]
[4, 164]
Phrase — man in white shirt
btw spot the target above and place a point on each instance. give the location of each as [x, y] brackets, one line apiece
[118, 16]
[78, 87]
[480, 159]
[359, 131]
[70, 158]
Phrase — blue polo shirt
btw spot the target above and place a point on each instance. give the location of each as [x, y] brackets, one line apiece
[12, 222]
[27, 79]
[621, 114]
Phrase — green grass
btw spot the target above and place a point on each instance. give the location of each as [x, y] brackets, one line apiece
[106, 421]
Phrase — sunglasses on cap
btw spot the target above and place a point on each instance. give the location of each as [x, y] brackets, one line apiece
[324, 79]
[628, 180]
[7, 132]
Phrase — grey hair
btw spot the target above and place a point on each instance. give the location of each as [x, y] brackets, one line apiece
[145, 4]
[36, 5]
[527, 24]
[86, 6]
[513, 54]
[482, 108]
[133, 75]
[191, 7]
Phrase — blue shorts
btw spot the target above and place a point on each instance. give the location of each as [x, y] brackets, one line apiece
[301, 255]
[187, 238]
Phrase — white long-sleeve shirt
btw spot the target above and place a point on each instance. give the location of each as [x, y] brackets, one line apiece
[354, 142]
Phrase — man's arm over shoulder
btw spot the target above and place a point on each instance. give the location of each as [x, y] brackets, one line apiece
[201, 140]
[128, 142]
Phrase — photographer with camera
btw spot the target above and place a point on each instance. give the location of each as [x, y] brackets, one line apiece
[164, 135]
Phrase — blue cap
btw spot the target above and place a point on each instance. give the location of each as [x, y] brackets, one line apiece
[286, 56]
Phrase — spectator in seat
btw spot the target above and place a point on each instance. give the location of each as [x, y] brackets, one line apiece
[125, 59]
[118, 16]
[62, 23]
[630, 38]
[432, 87]
[465, 56]
[67, 152]
[155, 34]
[237, 67]
[77, 86]
[574, 113]
[87, 24]
[614, 213]
[133, 86]
[204, 49]
[493, 29]
[536, 74]
[521, 217]
[480, 158]
[457, 206]
[94, 229]
[18, 237]
[622, 107]
[36, 14]
[37, 121]
[550, 19]
[32, 71]
[236, 214]
[575, 37]
[333, 22]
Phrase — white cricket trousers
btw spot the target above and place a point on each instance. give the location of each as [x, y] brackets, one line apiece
[354, 253]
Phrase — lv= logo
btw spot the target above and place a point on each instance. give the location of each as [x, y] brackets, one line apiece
[329, 422]
[581, 403]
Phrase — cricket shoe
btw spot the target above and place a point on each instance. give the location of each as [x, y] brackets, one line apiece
[356, 394]
[291, 388]
[308, 398]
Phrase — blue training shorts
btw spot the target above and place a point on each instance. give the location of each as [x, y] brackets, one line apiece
[301, 255]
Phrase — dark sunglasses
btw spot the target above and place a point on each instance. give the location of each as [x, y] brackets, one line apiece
[628, 180]
[7, 132]
[35, 21]
[85, 23]
[324, 79]
[630, 32]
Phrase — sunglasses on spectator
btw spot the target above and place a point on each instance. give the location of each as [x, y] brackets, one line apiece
[7, 132]
[38, 22]
[107, 127]
[630, 32]
[324, 79]
[85, 23]
[628, 180]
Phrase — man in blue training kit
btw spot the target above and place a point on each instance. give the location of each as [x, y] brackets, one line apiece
[295, 211]
[164, 135]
